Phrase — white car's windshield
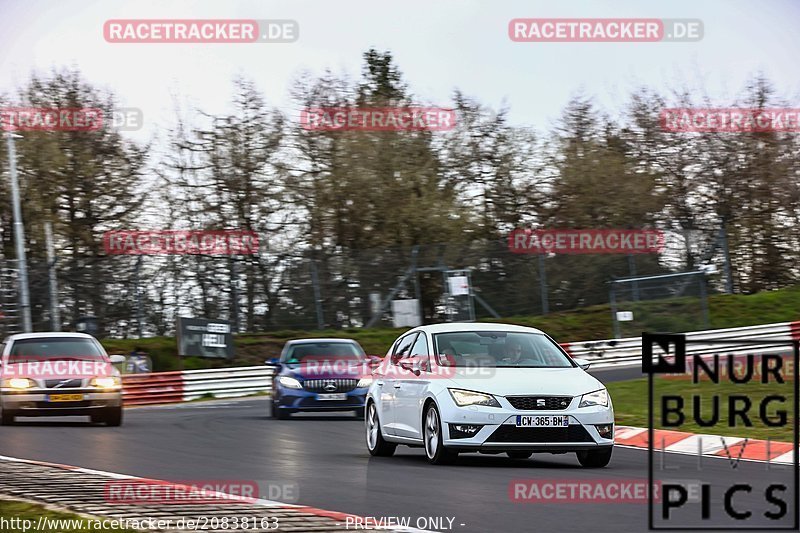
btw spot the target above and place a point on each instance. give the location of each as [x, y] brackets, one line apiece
[499, 349]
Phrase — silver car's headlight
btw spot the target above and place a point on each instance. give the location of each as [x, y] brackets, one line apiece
[598, 397]
[464, 398]
[106, 382]
[289, 383]
[19, 383]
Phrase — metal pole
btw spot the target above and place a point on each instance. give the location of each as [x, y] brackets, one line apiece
[136, 281]
[723, 237]
[55, 313]
[704, 301]
[613, 299]
[417, 292]
[317, 294]
[632, 269]
[543, 285]
[19, 237]
[234, 296]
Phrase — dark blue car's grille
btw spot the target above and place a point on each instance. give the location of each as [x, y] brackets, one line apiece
[330, 385]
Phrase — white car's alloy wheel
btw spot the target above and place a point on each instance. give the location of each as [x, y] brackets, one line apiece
[376, 444]
[372, 427]
[431, 433]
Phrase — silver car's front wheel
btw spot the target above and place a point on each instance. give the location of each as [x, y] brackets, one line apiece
[432, 436]
[375, 441]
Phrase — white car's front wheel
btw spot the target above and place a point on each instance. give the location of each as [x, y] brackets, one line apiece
[435, 451]
[595, 458]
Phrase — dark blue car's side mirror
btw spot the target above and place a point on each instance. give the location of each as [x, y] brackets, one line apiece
[275, 361]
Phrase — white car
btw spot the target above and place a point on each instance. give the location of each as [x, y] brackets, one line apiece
[488, 388]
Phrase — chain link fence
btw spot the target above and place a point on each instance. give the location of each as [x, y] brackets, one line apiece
[129, 296]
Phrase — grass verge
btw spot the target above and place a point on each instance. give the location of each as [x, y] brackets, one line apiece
[630, 406]
[17, 514]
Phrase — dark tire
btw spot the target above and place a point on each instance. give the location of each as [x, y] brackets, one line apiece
[6, 418]
[519, 455]
[280, 414]
[359, 413]
[113, 416]
[594, 458]
[435, 451]
[376, 444]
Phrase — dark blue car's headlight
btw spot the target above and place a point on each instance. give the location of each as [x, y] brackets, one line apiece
[290, 383]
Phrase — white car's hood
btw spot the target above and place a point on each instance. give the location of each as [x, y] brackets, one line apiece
[526, 381]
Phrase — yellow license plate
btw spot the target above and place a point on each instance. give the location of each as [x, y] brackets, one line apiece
[65, 397]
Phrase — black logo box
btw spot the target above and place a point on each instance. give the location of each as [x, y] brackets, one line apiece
[674, 348]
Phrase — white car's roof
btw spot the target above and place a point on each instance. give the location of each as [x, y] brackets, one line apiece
[48, 334]
[475, 326]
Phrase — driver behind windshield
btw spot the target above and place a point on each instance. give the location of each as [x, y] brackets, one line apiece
[514, 353]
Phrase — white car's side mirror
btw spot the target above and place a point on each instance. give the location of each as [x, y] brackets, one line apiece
[583, 363]
[116, 359]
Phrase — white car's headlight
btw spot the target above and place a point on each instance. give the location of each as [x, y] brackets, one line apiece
[364, 382]
[289, 383]
[20, 383]
[598, 397]
[464, 398]
[106, 382]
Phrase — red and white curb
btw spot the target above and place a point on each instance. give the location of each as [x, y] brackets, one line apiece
[746, 449]
[340, 518]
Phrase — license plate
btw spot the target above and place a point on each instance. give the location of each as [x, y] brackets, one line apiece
[65, 398]
[333, 396]
[548, 421]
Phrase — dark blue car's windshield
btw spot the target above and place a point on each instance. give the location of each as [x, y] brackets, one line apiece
[323, 351]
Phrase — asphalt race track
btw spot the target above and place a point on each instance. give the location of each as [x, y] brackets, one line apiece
[327, 458]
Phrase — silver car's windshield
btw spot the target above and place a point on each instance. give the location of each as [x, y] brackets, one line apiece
[55, 348]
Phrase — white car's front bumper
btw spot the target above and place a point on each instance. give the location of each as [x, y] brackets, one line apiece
[498, 430]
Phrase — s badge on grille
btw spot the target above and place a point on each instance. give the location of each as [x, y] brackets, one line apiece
[540, 402]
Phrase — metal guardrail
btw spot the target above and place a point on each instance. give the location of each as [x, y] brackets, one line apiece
[226, 382]
[161, 387]
[170, 387]
[628, 351]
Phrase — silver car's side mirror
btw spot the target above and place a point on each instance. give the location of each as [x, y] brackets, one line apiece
[116, 359]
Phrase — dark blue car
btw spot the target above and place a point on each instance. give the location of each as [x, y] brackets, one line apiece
[317, 375]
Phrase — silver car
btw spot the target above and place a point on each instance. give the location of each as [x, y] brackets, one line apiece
[59, 374]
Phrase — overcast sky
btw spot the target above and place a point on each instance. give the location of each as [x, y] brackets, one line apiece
[439, 46]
